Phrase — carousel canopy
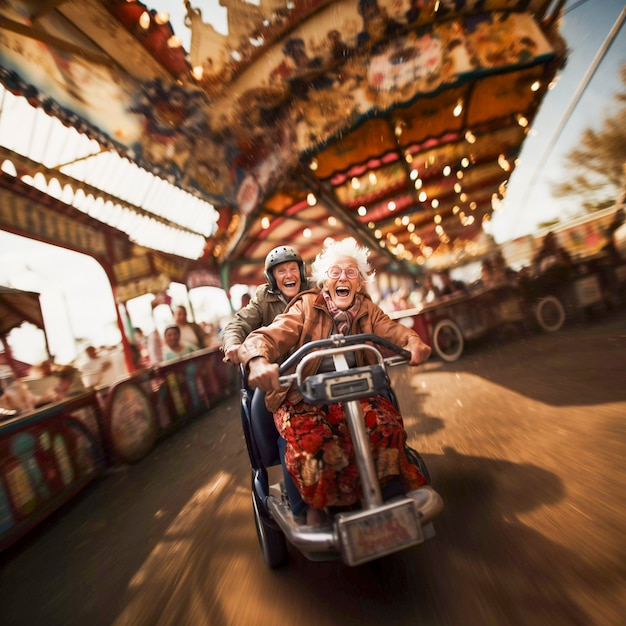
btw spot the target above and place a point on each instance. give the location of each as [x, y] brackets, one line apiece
[398, 122]
[17, 307]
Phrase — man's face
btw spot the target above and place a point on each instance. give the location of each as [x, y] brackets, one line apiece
[287, 277]
[180, 315]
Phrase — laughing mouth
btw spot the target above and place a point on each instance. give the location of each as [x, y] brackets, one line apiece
[342, 292]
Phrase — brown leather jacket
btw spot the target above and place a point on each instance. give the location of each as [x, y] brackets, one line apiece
[307, 319]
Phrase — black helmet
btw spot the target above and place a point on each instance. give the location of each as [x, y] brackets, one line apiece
[282, 254]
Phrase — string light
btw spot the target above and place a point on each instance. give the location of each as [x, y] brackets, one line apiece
[144, 20]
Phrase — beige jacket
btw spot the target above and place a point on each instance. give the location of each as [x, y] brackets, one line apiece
[307, 319]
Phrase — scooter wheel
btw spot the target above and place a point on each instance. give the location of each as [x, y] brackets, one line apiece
[416, 458]
[272, 541]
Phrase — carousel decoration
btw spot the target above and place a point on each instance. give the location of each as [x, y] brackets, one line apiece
[404, 119]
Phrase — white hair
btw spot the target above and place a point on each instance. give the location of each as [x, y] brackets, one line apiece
[333, 251]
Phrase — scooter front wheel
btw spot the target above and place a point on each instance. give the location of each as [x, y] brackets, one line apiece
[272, 541]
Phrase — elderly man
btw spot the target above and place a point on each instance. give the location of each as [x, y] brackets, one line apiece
[285, 275]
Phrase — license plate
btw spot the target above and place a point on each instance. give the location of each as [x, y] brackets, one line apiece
[369, 535]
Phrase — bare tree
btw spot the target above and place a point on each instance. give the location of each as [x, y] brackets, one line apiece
[597, 164]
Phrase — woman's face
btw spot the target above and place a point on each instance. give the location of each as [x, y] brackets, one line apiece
[341, 286]
[171, 337]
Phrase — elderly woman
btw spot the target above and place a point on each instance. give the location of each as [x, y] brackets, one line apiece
[319, 453]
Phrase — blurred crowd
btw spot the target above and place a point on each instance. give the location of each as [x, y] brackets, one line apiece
[100, 367]
[492, 271]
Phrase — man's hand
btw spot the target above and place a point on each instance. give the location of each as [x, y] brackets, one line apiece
[232, 355]
[263, 374]
[418, 349]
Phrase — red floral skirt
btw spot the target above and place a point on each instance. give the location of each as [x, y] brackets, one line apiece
[320, 456]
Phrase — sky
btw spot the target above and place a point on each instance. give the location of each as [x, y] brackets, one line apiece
[529, 201]
[76, 296]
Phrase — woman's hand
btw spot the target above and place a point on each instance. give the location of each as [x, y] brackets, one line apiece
[263, 374]
[418, 349]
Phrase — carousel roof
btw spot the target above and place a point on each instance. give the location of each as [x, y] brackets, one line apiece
[396, 122]
[16, 307]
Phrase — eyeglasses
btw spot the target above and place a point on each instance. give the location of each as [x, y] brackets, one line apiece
[335, 272]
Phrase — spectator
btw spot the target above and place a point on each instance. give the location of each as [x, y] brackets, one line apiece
[174, 346]
[487, 274]
[502, 273]
[616, 229]
[93, 367]
[190, 332]
[68, 383]
[6, 410]
[154, 345]
[211, 333]
[139, 348]
[430, 291]
[449, 286]
[17, 396]
[551, 255]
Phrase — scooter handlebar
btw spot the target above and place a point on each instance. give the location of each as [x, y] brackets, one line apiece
[340, 341]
